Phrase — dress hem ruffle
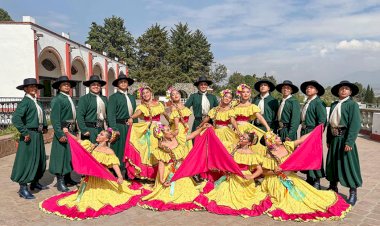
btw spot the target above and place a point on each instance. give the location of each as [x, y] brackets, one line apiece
[72, 213]
[337, 211]
[159, 205]
[213, 207]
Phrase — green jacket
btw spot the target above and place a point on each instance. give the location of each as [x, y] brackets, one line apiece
[316, 114]
[87, 110]
[291, 115]
[60, 112]
[26, 116]
[118, 109]
[195, 101]
[270, 109]
[350, 118]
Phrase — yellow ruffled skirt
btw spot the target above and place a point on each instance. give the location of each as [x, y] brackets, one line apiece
[140, 162]
[182, 135]
[100, 197]
[308, 203]
[228, 137]
[180, 195]
[236, 196]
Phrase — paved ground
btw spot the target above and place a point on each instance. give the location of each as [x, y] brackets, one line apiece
[17, 211]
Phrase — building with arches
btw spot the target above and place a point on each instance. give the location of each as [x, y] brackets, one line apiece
[30, 50]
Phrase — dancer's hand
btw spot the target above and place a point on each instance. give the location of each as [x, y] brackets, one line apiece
[27, 138]
[347, 148]
[63, 139]
[120, 180]
[167, 184]
[130, 121]
[65, 130]
[86, 134]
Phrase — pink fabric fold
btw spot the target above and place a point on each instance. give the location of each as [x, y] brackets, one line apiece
[308, 155]
[207, 155]
[84, 163]
[162, 206]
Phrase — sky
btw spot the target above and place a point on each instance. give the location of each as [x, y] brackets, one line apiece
[298, 40]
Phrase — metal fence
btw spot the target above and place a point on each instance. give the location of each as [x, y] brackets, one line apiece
[9, 104]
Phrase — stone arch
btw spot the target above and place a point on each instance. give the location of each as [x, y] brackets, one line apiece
[98, 69]
[79, 73]
[185, 89]
[50, 67]
[111, 78]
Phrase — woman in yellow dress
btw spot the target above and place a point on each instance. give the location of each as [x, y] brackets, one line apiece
[140, 141]
[236, 195]
[179, 117]
[96, 196]
[245, 112]
[292, 197]
[223, 116]
[166, 195]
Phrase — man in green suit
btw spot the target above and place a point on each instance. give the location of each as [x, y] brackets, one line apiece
[63, 115]
[313, 113]
[288, 114]
[29, 119]
[92, 109]
[121, 106]
[201, 101]
[267, 104]
[342, 164]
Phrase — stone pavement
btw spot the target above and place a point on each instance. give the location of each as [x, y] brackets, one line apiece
[17, 211]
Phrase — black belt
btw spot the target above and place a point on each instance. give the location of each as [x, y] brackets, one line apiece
[256, 122]
[39, 129]
[122, 121]
[338, 131]
[200, 118]
[98, 124]
[303, 126]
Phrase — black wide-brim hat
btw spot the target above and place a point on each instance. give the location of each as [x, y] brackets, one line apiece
[288, 83]
[202, 79]
[63, 79]
[28, 82]
[354, 88]
[94, 78]
[270, 84]
[122, 76]
[314, 83]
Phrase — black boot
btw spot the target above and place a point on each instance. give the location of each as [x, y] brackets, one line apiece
[37, 185]
[24, 192]
[309, 180]
[69, 181]
[333, 186]
[317, 184]
[353, 197]
[61, 184]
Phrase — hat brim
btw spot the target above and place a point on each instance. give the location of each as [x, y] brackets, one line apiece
[130, 81]
[294, 88]
[88, 83]
[354, 89]
[270, 84]
[206, 81]
[21, 87]
[318, 86]
[57, 84]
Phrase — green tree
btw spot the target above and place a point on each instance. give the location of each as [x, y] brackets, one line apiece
[4, 16]
[153, 66]
[114, 39]
[190, 55]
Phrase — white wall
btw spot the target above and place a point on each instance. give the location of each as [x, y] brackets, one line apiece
[16, 58]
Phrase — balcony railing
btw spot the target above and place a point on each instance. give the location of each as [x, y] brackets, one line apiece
[367, 119]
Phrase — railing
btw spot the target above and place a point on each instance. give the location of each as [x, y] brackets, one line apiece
[9, 104]
[367, 119]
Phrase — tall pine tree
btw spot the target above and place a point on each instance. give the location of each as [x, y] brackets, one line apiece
[153, 66]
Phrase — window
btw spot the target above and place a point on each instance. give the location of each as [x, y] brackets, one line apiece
[48, 65]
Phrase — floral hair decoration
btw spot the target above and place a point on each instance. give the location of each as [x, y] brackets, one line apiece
[169, 92]
[240, 88]
[114, 135]
[157, 131]
[270, 139]
[141, 89]
[224, 92]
